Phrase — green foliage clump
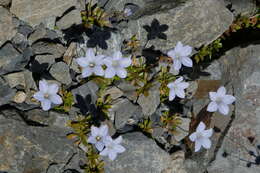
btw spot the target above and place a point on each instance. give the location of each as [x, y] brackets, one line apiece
[170, 121]
[68, 101]
[146, 125]
[81, 128]
[94, 15]
[208, 51]
[104, 101]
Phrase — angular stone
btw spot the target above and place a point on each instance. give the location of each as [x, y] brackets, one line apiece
[44, 62]
[7, 26]
[142, 155]
[32, 149]
[70, 19]
[150, 103]
[42, 47]
[129, 90]
[6, 93]
[43, 11]
[19, 97]
[243, 7]
[5, 2]
[123, 110]
[114, 92]
[60, 71]
[195, 23]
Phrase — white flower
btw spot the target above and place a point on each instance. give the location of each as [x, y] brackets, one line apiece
[98, 136]
[47, 95]
[201, 137]
[220, 101]
[177, 88]
[128, 12]
[91, 64]
[113, 147]
[180, 55]
[116, 65]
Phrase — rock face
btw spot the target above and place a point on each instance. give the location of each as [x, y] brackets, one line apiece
[7, 26]
[243, 7]
[32, 149]
[6, 93]
[60, 71]
[43, 11]
[195, 23]
[241, 66]
[142, 155]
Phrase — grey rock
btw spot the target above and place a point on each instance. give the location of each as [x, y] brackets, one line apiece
[20, 41]
[11, 60]
[129, 90]
[150, 103]
[7, 26]
[43, 11]
[12, 114]
[43, 47]
[122, 111]
[5, 2]
[194, 23]
[182, 130]
[142, 155]
[86, 90]
[60, 71]
[44, 62]
[243, 7]
[114, 92]
[6, 93]
[41, 32]
[33, 149]
[69, 19]
[241, 67]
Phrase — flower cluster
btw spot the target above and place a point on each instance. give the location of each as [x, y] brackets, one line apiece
[104, 143]
[93, 64]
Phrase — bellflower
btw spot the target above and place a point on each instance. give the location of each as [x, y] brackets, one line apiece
[180, 56]
[91, 64]
[97, 136]
[116, 65]
[177, 88]
[47, 95]
[220, 101]
[113, 147]
[201, 137]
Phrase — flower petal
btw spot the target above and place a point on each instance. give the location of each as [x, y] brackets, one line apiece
[108, 61]
[121, 72]
[197, 146]
[119, 149]
[171, 53]
[176, 64]
[104, 130]
[186, 50]
[117, 55]
[223, 109]
[186, 61]
[172, 95]
[90, 53]
[86, 72]
[118, 140]
[221, 91]
[43, 86]
[94, 131]
[193, 137]
[112, 155]
[104, 152]
[213, 96]
[110, 72]
[205, 142]
[98, 70]
[92, 140]
[207, 133]
[212, 107]
[179, 80]
[99, 59]
[200, 127]
[53, 88]
[100, 146]
[125, 62]
[56, 99]
[39, 96]
[46, 104]
[180, 93]
[183, 85]
[228, 99]
[83, 62]
[178, 47]
[170, 85]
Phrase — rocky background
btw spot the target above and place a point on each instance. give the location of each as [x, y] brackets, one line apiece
[38, 39]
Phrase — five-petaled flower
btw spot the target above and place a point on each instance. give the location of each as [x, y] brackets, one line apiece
[47, 95]
[201, 137]
[177, 88]
[116, 65]
[113, 147]
[180, 56]
[98, 136]
[220, 101]
[91, 64]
